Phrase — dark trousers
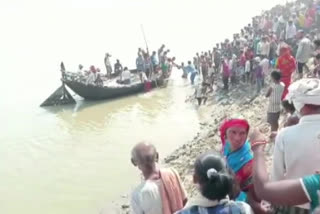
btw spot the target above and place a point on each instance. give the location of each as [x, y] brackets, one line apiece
[301, 66]
[225, 83]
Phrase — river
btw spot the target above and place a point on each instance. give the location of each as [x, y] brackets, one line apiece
[76, 159]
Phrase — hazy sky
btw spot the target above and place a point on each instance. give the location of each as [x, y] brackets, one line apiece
[37, 34]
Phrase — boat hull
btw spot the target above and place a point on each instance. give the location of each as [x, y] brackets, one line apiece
[92, 92]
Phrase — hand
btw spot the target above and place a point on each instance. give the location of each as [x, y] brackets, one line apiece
[273, 135]
[257, 138]
[266, 207]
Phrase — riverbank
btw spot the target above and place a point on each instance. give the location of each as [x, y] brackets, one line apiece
[241, 100]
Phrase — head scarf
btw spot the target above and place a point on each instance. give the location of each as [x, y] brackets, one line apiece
[304, 91]
[239, 161]
[230, 123]
[285, 50]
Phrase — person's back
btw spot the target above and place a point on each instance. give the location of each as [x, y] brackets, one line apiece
[162, 191]
[214, 184]
[297, 147]
[146, 198]
[275, 97]
[126, 76]
[304, 50]
[223, 207]
[140, 63]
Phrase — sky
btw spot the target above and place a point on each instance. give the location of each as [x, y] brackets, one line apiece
[36, 35]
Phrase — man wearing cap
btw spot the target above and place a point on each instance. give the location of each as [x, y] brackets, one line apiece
[297, 147]
[303, 53]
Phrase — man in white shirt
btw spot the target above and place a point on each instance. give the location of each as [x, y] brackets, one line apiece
[304, 52]
[264, 47]
[92, 76]
[297, 147]
[108, 64]
[153, 195]
[291, 32]
[126, 76]
[275, 25]
[80, 70]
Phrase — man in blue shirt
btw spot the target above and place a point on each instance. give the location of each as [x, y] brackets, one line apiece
[191, 69]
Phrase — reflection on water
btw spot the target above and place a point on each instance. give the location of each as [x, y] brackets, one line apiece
[75, 159]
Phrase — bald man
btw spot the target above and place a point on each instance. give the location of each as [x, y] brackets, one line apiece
[161, 192]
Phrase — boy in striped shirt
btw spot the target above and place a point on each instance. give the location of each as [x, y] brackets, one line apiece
[274, 94]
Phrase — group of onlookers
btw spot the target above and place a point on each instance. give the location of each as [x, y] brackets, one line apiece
[276, 44]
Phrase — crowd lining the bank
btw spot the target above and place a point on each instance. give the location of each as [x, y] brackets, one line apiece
[278, 44]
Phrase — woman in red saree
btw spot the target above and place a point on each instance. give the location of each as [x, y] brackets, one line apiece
[287, 65]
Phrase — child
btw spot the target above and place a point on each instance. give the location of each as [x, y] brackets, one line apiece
[200, 93]
[274, 94]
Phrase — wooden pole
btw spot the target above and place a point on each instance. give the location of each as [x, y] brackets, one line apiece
[150, 62]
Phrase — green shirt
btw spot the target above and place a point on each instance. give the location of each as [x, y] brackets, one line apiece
[311, 185]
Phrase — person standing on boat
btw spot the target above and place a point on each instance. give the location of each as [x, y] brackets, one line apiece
[108, 64]
[118, 68]
[160, 51]
[92, 76]
[147, 64]
[154, 60]
[126, 76]
[140, 63]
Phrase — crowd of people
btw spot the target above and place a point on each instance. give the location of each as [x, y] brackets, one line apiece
[284, 38]
[235, 180]
[148, 67]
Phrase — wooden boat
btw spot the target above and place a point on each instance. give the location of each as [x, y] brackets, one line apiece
[95, 92]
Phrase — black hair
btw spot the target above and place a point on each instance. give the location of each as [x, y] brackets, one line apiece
[317, 42]
[216, 184]
[276, 75]
[288, 106]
